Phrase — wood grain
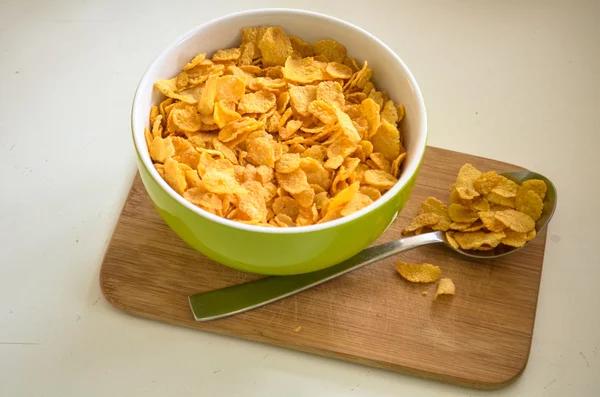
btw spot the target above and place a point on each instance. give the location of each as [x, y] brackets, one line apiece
[479, 338]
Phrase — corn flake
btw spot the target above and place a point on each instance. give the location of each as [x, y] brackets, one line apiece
[197, 60]
[476, 240]
[445, 287]
[331, 93]
[452, 240]
[221, 181]
[230, 54]
[175, 176]
[323, 111]
[387, 140]
[418, 273]
[514, 239]
[200, 197]
[302, 71]
[505, 188]
[486, 182]
[537, 186]
[495, 198]
[460, 213]
[435, 206]
[229, 88]
[305, 198]
[338, 70]
[289, 162]
[275, 47]
[207, 99]
[252, 205]
[530, 203]
[515, 220]
[331, 50]
[302, 48]
[293, 182]
[379, 179]
[161, 149]
[301, 97]
[389, 112]
[420, 221]
[257, 102]
[464, 182]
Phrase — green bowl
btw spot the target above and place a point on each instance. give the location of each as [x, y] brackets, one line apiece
[282, 251]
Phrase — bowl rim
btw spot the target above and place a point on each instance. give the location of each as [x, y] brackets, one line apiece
[407, 175]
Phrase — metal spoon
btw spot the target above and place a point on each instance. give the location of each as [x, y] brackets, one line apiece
[228, 301]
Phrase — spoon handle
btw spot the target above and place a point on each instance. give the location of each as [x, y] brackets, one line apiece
[228, 301]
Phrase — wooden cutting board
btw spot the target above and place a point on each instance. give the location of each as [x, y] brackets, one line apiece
[479, 338]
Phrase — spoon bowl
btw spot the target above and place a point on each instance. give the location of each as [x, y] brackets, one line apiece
[547, 213]
[228, 301]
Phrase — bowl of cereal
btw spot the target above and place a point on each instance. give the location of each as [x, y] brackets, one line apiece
[278, 141]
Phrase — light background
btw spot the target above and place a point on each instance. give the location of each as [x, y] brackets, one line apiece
[517, 81]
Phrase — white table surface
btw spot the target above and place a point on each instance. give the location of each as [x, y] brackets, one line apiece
[517, 81]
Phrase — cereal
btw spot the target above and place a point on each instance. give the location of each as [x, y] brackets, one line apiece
[161, 149]
[390, 112]
[183, 118]
[230, 54]
[437, 207]
[418, 273]
[379, 178]
[505, 188]
[301, 97]
[530, 203]
[464, 182]
[288, 162]
[445, 287]
[198, 59]
[358, 202]
[323, 111]
[475, 240]
[514, 239]
[386, 140]
[486, 210]
[343, 197]
[302, 71]
[515, 220]
[224, 114]
[257, 102]
[452, 240]
[338, 70]
[486, 182]
[537, 186]
[293, 182]
[331, 50]
[282, 133]
[301, 47]
[460, 213]
[261, 151]
[230, 88]
[207, 99]
[275, 47]
[221, 181]
[175, 176]
[370, 112]
[330, 92]
[422, 220]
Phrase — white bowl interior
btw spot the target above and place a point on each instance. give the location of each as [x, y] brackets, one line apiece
[390, 74]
